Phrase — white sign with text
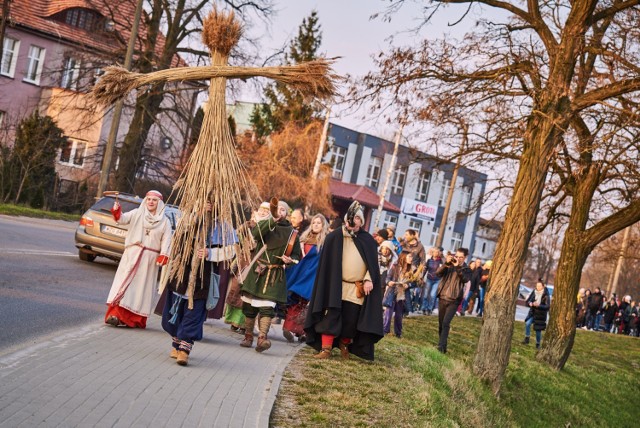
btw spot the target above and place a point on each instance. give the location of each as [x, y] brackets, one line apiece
[419, 209]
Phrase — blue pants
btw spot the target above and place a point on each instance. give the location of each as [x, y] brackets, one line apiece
[396, 312]
[480, 300]
[527, 330]
[184, 325]
[429, 296]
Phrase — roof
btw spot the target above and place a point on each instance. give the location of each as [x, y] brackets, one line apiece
[362, 194]
[491, 224]
[39, 15]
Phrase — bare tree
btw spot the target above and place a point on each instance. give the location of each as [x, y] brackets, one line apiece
[524, 82]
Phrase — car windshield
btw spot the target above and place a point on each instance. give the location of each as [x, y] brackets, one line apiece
[105, 204]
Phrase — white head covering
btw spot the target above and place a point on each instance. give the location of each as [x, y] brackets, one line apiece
[143, 219]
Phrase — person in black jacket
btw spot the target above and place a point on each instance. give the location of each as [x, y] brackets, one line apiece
[455, 274]
[538, 302]
[610, 310]
[595, 310]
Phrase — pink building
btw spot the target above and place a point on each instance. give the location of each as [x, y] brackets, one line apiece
[53, 52]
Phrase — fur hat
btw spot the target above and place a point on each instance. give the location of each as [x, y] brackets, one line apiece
[388, 245]
[265, 205]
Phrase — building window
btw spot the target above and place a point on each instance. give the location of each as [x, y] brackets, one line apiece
[34, 69]
[73, 153]
[423, 186]
[456, 241]
[399, 178]
[434, 236]
[70, 73]
[82, 18]
[336, 157]
[10, 49]
[484, 248]
[2, 115]
[373, 172]
[465, 199]
[415, 225]
[389, 220]
[444, 192]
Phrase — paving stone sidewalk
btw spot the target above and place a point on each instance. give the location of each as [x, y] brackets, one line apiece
[101, 376]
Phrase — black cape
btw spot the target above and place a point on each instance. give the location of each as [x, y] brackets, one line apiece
[327, 294]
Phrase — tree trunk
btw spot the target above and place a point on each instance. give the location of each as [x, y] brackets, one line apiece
[147, 107]
[494, 345]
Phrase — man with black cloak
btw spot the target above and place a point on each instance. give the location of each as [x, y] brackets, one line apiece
[345, 310]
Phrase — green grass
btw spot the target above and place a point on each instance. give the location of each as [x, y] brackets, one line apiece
[412, 385]
[21, 210]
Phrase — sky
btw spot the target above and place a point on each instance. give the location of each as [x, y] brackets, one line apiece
[349, 33]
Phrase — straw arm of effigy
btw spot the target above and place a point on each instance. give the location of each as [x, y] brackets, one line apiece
[313, 78]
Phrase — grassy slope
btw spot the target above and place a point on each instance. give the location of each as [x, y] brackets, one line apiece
[411, 385]
[20, 210]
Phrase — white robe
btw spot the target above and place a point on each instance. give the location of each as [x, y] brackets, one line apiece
[139, 296]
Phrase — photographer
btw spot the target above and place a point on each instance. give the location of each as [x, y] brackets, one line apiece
[454, 273]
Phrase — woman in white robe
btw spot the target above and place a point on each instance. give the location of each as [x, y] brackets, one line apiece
[146, 246]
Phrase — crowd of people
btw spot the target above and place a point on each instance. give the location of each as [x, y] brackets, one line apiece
[332, 285]
[613, 315]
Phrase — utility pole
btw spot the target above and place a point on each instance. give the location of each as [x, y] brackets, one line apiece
[117, 110]
[621, 257]
[394, 157]
[316, 166]
[452, 186]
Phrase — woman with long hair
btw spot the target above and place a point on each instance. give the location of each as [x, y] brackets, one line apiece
[301, 276]
[401, 277]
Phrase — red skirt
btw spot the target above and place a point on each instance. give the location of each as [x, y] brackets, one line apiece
[126, 316]
[294, 320]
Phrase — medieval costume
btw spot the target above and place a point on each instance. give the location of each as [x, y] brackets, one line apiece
[146, 246]
[301, 276]
[185, 308]
[345, 310]
[265, 283]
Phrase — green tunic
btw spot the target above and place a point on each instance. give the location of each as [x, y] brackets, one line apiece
[271, 283]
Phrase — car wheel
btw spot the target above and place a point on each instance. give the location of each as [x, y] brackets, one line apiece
[86, 257]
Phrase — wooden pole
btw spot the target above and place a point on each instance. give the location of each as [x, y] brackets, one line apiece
[621, 257]
[117, 110]
[394, 157]
[316, 166]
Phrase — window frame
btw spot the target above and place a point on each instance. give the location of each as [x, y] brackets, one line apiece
[444, 192]
[434, 236]
[71, 74]
[416, 225]
[421, 194]
[336, 157]
[373, 178]
[455, 237]
[399, 174]
[39, 63]
[73, 153]
[389, 220]
[13, 58]
[465, 199]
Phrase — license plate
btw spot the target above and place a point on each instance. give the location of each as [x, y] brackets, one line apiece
[115, 231]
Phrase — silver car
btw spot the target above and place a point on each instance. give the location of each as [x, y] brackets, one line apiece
[98, 234]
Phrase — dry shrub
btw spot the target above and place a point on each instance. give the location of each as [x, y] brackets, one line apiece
[283, 167]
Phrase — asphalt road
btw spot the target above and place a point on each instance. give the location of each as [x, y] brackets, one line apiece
[44, 287]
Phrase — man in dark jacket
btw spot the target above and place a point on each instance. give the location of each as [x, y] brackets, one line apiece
[595, 309]
[454, 273]
[345, 309]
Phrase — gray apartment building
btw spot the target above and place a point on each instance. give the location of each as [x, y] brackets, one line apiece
[416, 194]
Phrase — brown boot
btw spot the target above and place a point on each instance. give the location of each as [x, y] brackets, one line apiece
[183, 358]
[249, 324]
[325, 354]
[344, 350]
[174, 353]
[263, 343]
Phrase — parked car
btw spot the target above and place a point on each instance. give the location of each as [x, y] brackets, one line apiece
[98, 234]
[523, 294]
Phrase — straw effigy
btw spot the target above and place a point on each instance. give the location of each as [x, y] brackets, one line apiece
[214, 172]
